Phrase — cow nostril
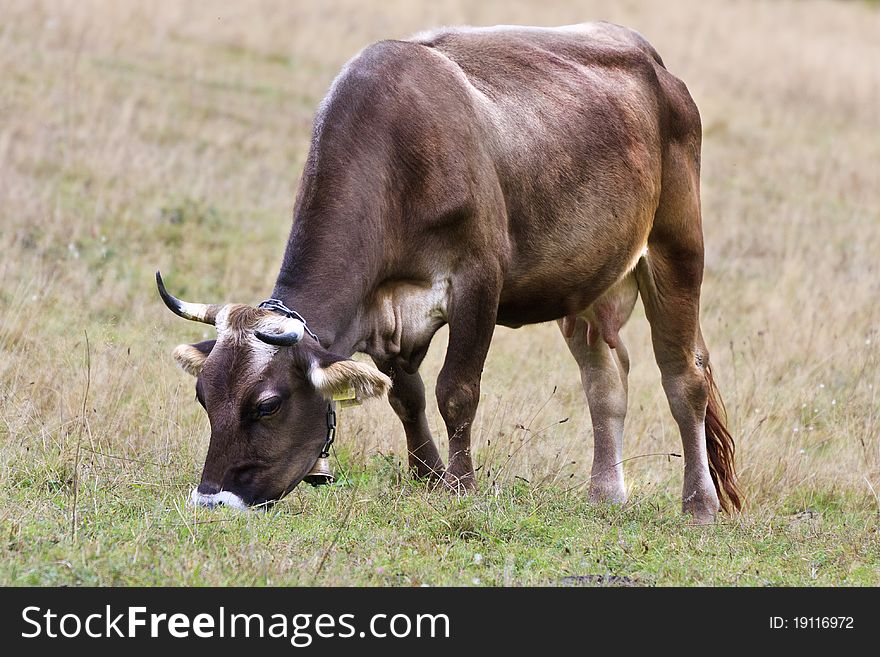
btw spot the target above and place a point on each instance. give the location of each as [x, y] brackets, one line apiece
[207, 488]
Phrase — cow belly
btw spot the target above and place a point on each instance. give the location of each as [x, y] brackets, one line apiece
[534, 296]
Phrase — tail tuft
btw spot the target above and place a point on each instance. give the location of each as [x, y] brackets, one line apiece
[721, 450]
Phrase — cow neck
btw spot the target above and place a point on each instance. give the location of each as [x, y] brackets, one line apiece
[331, 261]
[323, 317]
[325, 282]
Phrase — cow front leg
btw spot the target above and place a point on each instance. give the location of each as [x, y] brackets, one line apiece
[407, 398]
[471, 325]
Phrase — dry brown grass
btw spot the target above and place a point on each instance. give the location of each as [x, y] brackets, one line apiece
[137, 136]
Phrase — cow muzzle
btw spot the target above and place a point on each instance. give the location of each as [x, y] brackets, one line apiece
[222, 498]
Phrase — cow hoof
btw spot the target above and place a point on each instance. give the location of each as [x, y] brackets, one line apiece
[607, 493]
[460, 484]
[704, 517]
[701, 509]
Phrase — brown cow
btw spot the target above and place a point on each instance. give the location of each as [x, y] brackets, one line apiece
[474, 177]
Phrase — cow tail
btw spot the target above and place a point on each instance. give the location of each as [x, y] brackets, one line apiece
[721, 450]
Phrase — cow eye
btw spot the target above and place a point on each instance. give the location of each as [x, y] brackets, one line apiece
[268, 407]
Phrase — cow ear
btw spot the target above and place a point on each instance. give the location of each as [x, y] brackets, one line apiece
[348, 379]
[191, 357]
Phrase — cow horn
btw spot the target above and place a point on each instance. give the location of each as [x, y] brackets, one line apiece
[198, 312]
[293, 333]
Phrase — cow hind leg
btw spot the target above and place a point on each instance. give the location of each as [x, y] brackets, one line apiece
[407, 398]
[681, 358]
[669, 280]
[603, 361]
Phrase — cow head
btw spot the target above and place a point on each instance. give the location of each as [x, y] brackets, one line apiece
[265, 383]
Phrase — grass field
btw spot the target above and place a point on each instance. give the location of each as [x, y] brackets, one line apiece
[137, 136]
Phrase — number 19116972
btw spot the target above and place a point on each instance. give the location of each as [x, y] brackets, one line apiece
[812, 623]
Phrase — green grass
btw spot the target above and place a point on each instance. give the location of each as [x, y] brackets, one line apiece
[375, 528]
[144, 136]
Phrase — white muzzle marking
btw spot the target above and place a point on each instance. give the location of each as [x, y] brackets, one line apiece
[223, 498]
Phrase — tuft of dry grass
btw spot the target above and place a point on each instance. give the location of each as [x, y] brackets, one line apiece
[171, 135]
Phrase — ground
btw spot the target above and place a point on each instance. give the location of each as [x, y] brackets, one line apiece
[136, 137]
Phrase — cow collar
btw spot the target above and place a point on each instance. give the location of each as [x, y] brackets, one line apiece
[331, 430]
[277, 306]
